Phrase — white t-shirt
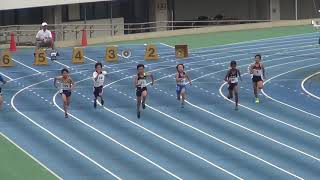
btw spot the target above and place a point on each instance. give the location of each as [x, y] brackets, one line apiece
[100, 81]
[44, 34]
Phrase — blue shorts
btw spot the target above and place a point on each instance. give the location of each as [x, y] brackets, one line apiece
[180, 88]
[66, 92]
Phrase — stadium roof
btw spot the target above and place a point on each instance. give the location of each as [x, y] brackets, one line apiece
[19, 4]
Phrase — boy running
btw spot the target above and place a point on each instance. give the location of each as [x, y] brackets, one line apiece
[257, 72]
[181, 79]
[98, 79]
[232, 79]
[140, 82]
[66, 86]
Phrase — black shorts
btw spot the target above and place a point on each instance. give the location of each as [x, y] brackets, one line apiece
[232, 85]
[97, 91]
[256, 78]
[0, 91]
[66, 92]
[139, 91]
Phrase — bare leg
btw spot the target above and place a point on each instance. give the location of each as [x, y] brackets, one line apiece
[138, 106]
[65, 104]
[255, 89]
[183, 95]
[230, 96]
[1, 102]
[144, 97]
[235, 90]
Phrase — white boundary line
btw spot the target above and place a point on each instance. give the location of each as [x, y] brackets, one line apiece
[285, 104]
[273, 140]
[115, 141]
[243, 151]
[32, 68]
[235, 48]
[241, 127]
[271, 47]
[298, 36]
[26, 66]
[62, 141]
[269, 117]
[32, 157]
[6, 76]
[149, 131]
[170, 116]
[303, 87]
[53, 135]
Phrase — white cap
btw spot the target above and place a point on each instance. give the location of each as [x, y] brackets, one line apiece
[44, 24]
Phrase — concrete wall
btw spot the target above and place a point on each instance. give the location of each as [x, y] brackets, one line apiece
[188, 31]
[19, 4]
[158, 11]
[263, 9]
[306, 9]
[275, 10]
[239, 9]
[101, 24]
[287, 9]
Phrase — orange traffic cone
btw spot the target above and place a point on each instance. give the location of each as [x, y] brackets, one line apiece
[84, 41]
[13, 46]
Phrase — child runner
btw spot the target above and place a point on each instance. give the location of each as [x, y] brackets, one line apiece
[2, 81]
[232, 79]
[181, 79]
[258, 75]
[98, 78]
[140, 82]
[66, 86]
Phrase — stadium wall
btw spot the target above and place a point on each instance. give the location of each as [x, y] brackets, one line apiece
[187, 31]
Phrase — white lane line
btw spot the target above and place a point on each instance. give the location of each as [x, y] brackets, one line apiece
[23, 77]
[90, 59]
[272, 40]
[261, 42]
[244, 59]
[149, 131]
[52, 134]
[115, 141]
[62, 64]
[26, 66]
[245, 129]
[269, 117]
[305, 90]
[6, 76]
[167, 45]
[216, 139]
[243, 151]
[32, 157]
[172, 143]
[271, 47]
[283, 103]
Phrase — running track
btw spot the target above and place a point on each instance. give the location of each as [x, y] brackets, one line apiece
[277, 139]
